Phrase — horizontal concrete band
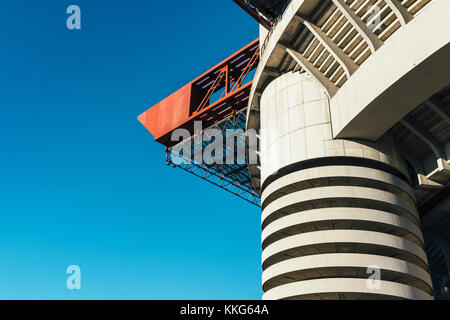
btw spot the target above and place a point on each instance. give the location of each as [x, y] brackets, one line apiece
[352, 196]
[375, 220]
[308, 264]
[352, 175]
[344, 285]
[288, 247]
[334, 161]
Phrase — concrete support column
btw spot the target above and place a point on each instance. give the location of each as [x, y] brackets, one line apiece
[333, 208]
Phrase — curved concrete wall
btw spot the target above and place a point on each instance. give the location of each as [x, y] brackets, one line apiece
[296, 126]
[332, 208]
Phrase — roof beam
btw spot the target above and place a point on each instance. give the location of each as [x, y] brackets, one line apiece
[329, 86]
[371, 38]
[403, 15]
[439, 109]
[410, 157]
[338, 54]
[423, 135]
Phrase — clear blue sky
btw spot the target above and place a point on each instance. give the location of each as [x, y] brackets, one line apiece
[82, 182]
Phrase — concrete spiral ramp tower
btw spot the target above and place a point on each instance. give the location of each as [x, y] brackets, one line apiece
[338, 191]
[332, 208]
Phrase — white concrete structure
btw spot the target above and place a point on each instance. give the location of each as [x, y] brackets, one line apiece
[338, 91]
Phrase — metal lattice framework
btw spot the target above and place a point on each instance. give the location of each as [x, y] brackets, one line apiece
[217, 99]
[233, 178]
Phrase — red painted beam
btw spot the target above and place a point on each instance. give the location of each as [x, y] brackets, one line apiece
[192, 102]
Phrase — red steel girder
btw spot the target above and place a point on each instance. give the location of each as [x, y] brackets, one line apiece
[194, 102]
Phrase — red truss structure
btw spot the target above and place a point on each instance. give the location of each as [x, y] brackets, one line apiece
[218, 99]
[195, 101]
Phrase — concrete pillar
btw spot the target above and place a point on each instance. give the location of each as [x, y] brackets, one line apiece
[333, 210]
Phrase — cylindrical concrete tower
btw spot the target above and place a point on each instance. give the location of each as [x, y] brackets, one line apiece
[334, 211]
